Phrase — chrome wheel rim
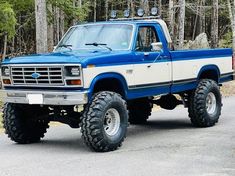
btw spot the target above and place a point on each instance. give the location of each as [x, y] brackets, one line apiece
[211, 103]
[111, 122]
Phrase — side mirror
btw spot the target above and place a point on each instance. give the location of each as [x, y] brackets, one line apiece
[54, 48]
[156, 46]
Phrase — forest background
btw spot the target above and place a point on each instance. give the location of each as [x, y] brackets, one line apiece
[30, 26]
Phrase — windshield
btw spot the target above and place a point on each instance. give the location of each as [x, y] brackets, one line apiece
[98, 36]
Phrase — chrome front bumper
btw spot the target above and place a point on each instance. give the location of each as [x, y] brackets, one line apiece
[46, 97]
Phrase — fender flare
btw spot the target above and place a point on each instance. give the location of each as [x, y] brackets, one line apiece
[209, 68]
[108, 75]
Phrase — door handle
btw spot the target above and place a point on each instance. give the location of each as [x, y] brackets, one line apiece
[146, 54]
[164, 57]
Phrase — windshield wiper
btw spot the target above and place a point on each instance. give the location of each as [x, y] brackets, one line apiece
[66, 46]
[100, 44]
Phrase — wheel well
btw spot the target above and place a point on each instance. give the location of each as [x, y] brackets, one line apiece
[109, 84]
[209, 74]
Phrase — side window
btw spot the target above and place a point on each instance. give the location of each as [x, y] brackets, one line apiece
[146, 36]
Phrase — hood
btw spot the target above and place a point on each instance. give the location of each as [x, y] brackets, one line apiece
[99, 57]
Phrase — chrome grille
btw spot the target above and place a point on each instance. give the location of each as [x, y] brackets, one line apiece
[48, 76]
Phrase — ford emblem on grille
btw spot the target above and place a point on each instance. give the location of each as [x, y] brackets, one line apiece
[35, 75]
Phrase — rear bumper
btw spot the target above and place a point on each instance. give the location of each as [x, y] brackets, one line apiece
[46, 97]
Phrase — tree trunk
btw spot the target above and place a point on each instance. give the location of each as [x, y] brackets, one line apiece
[160, 7]
[61, 23]
[74, 6]
[41, 26]
[181, 23]
[95, 10]
[106, 9]
[171, 17]
[145, 5]
[50, 33]
[202, 20]
[5, 47]
[57, 24]
[196, 21]
[132, 8]
[215, 25]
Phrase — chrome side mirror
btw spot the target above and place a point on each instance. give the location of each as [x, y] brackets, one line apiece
[156, 46]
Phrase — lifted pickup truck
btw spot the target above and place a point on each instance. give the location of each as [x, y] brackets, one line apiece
[103, 76]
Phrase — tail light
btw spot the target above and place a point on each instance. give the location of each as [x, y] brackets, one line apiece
[233, 61]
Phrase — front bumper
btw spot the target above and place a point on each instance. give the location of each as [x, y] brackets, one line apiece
[46, 97]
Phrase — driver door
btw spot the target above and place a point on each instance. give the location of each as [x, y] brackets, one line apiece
[151, 68]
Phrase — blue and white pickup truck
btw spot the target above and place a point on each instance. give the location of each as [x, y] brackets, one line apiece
[103, 76]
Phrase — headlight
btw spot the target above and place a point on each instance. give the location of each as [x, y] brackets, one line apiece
[5, 71]
[73, 71]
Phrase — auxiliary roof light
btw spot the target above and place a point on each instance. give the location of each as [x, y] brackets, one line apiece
[154, 11]
[140, 12]
[126, 13]
[113, 14]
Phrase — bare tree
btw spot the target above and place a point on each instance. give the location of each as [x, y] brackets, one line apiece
[202, 21]
[61, 23]
[181, 23]
[171, 17]
[50, 32]
[57, 24]
[5, 46]
[132, 8]
[232, 19]
[145, 5]
[106, 9]
[41, 26]
[215, 25]
[160, 7]
[95, 4]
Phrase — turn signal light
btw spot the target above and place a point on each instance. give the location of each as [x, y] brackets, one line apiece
[6, 81]
[76, 82]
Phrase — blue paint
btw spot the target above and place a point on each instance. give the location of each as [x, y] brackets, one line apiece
[139, 93]
[110, 75]
[226, 79]
[200, 54]
[177, 88]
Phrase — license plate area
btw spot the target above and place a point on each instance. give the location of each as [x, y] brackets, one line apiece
[35, 98]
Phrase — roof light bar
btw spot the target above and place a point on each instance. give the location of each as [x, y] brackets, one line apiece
[154, 11]
[126, 13]
[140, 12]
[113, 14]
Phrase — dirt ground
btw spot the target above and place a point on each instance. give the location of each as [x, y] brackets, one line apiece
[228, 89]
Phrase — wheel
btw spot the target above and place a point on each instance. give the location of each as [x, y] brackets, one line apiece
[139, 110]
[104, 122]
[20, 123]
[205, 104]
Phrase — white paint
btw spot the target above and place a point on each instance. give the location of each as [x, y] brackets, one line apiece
[188, 69]
[125, 70]
[152, 73]
[158, 72]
